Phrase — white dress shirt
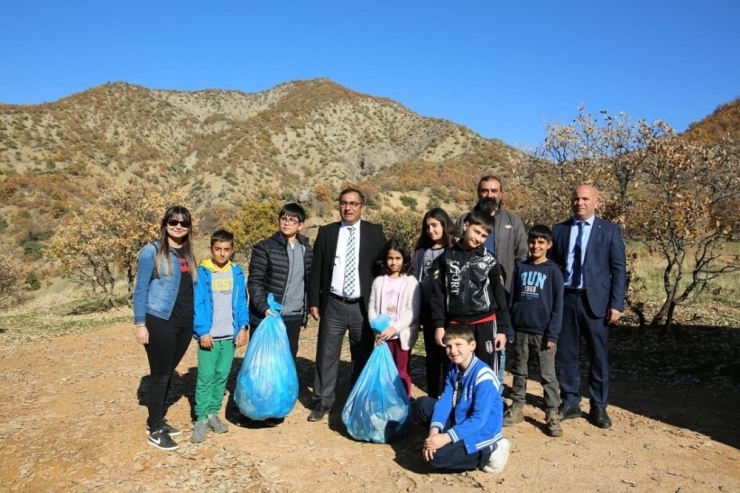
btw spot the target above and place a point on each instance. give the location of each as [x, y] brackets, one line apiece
[340, 266]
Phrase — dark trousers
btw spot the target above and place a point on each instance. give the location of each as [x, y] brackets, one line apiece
[293, 329]
[167, 346]
[452, 456]
[338, 318]
[437, 361]
[485, 333]
[580, 322]
[525, 345]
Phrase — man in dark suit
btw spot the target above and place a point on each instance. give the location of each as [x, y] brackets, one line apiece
[344, 259]
[591, 253]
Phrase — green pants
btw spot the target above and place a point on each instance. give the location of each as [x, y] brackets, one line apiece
[214, 366]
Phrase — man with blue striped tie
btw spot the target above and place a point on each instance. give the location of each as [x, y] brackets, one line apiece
[591, 253]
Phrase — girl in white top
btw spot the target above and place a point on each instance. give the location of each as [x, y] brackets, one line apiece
[396, 293]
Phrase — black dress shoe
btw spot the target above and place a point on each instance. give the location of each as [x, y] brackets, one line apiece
[318, 412]
[568, 412]
[600, 418]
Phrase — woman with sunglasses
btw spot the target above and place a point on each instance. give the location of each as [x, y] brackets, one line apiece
[163, 314]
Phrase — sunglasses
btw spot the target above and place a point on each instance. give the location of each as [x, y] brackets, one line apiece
[174, 222]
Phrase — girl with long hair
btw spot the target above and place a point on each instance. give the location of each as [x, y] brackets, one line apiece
[396, 293]
[437, 233]
[163, 313]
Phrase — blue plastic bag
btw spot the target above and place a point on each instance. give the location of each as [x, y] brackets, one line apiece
[377, 409]
[267, 385]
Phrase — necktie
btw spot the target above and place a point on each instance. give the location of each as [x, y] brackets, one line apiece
[349, 264]
[575, 280]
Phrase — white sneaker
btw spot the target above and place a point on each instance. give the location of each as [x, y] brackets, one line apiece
[499, 457]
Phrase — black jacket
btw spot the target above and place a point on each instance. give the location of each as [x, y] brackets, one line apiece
[468, 286]
[268, 273]
[372, 241]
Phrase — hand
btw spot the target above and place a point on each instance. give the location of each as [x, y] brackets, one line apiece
[314, 311]
[613, 316]
[550, 345]
[378, 340]
[142, 334]
[387, 333]
[241, 337]
[439, 336]
[434, 442]
[268, 313]
[499, 342]
[206, 342]
[428, 454]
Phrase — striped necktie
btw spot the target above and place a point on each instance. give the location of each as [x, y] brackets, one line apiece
[349, 264]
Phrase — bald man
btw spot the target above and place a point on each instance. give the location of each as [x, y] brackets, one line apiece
[591, 253]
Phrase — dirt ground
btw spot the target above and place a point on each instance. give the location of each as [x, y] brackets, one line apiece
[71, 419]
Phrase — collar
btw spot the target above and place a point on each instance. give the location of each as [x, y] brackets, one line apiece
[589, 221]
[355, 225]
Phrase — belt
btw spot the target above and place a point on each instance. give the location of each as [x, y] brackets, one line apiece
[578, 291]
[346, 301]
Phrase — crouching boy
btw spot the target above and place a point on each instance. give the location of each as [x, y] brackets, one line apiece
[465, 423]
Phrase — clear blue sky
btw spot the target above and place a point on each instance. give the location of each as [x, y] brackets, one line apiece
[501, 68]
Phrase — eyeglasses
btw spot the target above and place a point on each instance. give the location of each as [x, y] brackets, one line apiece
[344, 203]
[290, 220]
[174, 222]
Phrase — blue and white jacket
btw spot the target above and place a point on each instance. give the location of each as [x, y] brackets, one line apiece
[478, 416]
[204, 299]
[155, 295]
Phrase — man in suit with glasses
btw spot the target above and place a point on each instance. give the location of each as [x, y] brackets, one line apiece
[345, 255]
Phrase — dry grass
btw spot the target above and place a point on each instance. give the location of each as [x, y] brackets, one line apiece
[719, 303]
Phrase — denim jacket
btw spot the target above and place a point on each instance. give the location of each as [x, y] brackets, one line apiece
[155, 295]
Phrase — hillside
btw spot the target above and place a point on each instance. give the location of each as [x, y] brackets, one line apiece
[724, 122]
[224, 147]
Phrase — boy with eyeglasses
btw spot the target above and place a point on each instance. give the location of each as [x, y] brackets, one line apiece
[281, 265]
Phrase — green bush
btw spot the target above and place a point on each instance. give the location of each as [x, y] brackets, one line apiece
[32, 281]
[33, 248]
[405, 225]
[409, 202]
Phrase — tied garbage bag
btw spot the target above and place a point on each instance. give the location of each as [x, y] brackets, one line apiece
[267, 385]
[377, 409]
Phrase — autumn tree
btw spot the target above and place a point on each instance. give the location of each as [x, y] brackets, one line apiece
[251, 224]
[606, 151]
[683, 212]
[105, 238]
